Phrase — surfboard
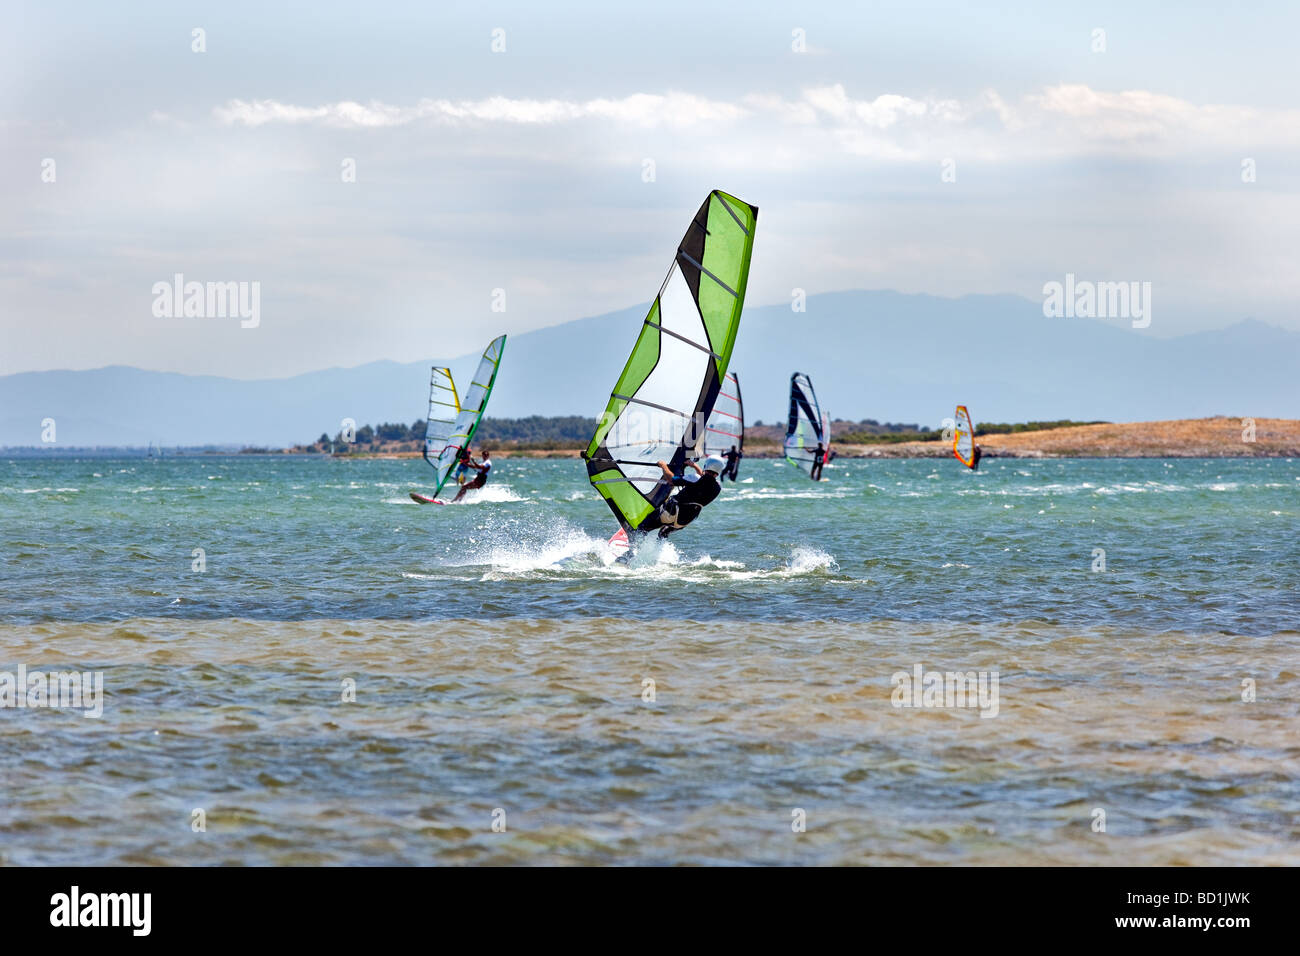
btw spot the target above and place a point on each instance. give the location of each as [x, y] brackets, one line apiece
[425, 499]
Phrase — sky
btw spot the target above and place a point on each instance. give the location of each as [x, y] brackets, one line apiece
[517, 165]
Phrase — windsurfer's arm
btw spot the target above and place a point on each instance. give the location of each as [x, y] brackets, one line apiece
[677, 481]
[698, 470]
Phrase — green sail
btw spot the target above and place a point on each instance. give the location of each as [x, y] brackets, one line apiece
[661, 402]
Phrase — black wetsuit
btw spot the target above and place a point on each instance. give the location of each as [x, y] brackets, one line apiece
[975, 458]
[733, 463]
[819, 459]
[685, 506]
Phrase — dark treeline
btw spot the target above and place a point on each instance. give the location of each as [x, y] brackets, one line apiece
[571, 431]
[869, 431]
[990, 428]
[870, 426]
[561, 429]
[866, 426]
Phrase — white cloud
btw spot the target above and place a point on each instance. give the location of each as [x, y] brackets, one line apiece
[849, 186]
[1062, 120]
[640, 109]
[882, 112]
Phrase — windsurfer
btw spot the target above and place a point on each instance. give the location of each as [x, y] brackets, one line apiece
[733, 463]
[480, 479]
[976, 455]
[819, 459]
[685, 506]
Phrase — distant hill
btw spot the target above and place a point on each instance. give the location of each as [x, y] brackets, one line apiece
[881, 355]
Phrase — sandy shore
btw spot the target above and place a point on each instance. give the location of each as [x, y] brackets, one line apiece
[1184, 438]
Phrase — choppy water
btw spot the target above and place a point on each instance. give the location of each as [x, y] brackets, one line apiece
[500, 663]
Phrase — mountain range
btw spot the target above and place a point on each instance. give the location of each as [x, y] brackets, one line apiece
[871, 354]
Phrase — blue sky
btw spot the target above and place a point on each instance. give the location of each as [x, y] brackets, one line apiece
[524, 169]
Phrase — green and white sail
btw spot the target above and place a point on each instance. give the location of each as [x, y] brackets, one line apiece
[453, 421]
[808, 425]
[661, 403]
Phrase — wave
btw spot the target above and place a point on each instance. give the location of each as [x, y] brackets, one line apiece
[508, 549]
[491, 494]
[499, 494]
[773, 494]
[807, 559]
[512, 550]
[658, 560]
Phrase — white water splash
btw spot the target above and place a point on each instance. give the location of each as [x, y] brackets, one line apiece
[490, 495]
[511, 551]
[806, 559]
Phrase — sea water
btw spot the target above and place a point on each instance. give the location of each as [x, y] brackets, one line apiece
[301, 665]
